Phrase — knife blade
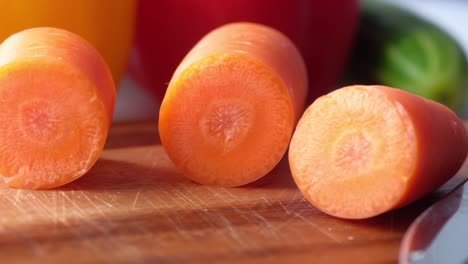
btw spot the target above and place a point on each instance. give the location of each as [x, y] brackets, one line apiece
[439, 234]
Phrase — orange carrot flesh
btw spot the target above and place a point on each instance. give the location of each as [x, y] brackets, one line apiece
[228, 114]
[56, 102]
[361, 151]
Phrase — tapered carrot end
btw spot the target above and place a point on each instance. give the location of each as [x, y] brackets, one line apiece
[226, 120]
[353, 152]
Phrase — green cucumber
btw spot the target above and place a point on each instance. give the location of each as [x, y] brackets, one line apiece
[395, 47]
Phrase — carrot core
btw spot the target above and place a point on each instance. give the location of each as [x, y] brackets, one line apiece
[353, 152]
[238, 123]
[51, 129]
[39, 123]
[226, 123]
[230, 108]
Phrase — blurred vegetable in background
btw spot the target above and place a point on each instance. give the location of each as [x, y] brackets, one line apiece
[167, 29]
[398, 48]
[107, 24]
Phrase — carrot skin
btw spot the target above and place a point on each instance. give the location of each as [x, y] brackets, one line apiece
[57, 97]
[63, 47]
[262, 44]
[441, 139]
[361, 151]
[228, 114]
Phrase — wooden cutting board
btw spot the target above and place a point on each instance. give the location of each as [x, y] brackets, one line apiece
[134, 207]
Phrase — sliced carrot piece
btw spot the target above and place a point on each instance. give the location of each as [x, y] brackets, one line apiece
[228, 114]
[56, 102]
[361, 151]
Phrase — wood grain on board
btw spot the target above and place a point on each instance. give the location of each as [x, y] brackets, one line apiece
[135, 207]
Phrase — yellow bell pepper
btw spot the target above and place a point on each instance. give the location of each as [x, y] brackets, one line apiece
[106, 24]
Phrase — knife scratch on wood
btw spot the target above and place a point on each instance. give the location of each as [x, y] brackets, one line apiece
[187, 199]
[136, 199]
[292, 208]
[294, 203]
[298, 235]
[233, 233]
[285, 208]
[98, 209]
[171, 196]
[46, 210]
[83, 215]
[18, 195]
[96, 226]
[317, 227]
[234, 197]
[103, 201]
[198, 206]
[160, 200]
[195, 196]
[218, 195]
[269, 227]
[35, 245]
[267, 223]
[266, 201]
[177, 228]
